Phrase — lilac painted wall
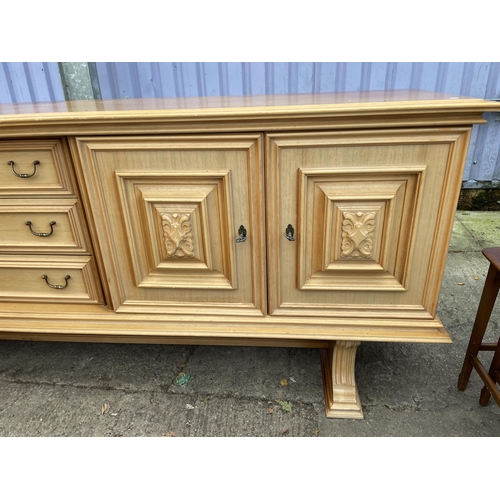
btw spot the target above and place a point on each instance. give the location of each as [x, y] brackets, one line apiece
[30, 82]
[36, 82]
[171, 79]
[178, 79]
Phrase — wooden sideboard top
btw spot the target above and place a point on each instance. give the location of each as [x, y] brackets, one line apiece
[351, 101]
[231, 113]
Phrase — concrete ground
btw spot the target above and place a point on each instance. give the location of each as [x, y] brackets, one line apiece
[72, 389]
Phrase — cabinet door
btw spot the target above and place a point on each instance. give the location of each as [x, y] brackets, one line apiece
[178, 221]
[372, 214]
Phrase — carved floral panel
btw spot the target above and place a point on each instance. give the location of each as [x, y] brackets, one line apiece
[357, 234]
[178, 235]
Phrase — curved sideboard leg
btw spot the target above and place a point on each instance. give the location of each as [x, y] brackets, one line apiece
[339, 383]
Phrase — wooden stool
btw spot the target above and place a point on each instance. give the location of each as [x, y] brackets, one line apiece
[486, 304]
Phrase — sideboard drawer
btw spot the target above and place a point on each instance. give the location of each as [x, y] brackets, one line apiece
[42, 226]
[49, 279]
[34, 167]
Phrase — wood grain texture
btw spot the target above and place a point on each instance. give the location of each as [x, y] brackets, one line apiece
[339, 382]
[150, 196]
[21, 279]
[403, 176]
[69, 231]
[242, 114]
[354, 102]
[133, 183]
[53, 177]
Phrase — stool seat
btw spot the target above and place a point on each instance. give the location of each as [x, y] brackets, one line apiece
[493, 255]
[488, 298]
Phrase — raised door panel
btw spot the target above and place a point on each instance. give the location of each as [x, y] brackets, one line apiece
[167, 213]
[372, 214]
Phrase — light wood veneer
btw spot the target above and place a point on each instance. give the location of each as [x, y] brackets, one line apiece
[171, 220]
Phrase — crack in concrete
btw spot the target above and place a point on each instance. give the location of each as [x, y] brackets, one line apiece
[464, 251]
[403, 407]
[80, 386]
[198, 396]
[406, 407]
[259, 399]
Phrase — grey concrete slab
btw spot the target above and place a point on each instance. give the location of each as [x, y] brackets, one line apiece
[484, 226]
[383, 421]
[255, 372]
[54, 410]
[92, 365]
[59, 389]
[249, 417]
[462, 240]
[461, 290]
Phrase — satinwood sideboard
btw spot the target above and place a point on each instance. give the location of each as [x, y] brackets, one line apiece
[318, 220]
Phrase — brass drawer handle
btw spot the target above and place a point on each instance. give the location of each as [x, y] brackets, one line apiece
[289, 232]
[243, 234]
[58, 287]
[42, 235]
[24, 176]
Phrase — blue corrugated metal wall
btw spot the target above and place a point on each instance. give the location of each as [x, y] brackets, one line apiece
[30, 82]
[35, 82]
[122, 80]
[178, 79]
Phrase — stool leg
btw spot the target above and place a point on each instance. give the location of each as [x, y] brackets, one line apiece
[486, 304]
[486, 391]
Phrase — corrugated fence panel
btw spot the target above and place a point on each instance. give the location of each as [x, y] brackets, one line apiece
[37, 82]
[30, 82]
[178, 79]
[126, 80]
[484, 157]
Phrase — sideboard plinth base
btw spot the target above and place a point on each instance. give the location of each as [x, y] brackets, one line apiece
[339, 383]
